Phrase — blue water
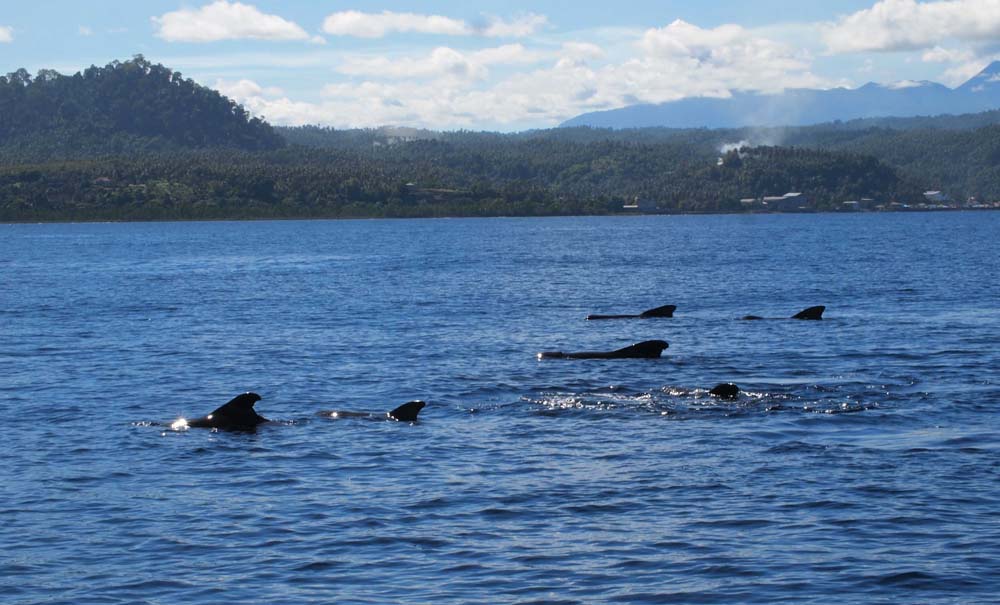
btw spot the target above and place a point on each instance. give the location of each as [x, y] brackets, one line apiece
[862, 465]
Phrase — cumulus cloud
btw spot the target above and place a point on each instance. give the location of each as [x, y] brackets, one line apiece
[442, 62]
[379, 25]
[682, 59]
[223, 20]
[894, 25]
[6, 34]
[448, 88]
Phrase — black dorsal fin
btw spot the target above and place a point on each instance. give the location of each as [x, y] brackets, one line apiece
[664, 311]
[814, 313]
[408, 411]
[240, 404]
[646, 349]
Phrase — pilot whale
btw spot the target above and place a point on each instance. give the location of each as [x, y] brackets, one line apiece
[725, 390]
[236, 415]
[664, 311]
[812, 313]
[405, 413]
[239, 415]
[649, 349]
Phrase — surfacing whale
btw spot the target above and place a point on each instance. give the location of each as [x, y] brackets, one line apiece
[405, 413]
[237, 415]
[664, 311]
[725, 390]
[812, 313]
[649, 349]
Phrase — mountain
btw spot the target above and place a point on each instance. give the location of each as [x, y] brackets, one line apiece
[801, 107]
[121, 108]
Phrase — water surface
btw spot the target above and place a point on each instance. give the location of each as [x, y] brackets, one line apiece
[861, 465]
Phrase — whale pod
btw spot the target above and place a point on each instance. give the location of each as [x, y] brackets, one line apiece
[238, 414]
[649, 349]
[812, 313]
[664, 311]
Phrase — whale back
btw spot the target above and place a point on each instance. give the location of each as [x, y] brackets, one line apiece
[408, 411]
[813, 313]
[649, 349]
[238, 413]
[664, 311]
[725, 390]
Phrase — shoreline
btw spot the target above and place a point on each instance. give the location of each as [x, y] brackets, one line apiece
[96, 221]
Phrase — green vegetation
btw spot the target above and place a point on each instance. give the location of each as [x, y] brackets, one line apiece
[133, 141]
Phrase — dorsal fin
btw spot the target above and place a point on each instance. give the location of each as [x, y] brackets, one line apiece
[237, 414]
[408, 411]
[240, 404]
[814, 313]
[664, 311]
[646, 349]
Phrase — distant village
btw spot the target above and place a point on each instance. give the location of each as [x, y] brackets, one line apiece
[799, 202]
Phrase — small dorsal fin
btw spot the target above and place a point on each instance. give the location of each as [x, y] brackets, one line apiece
[813, 313]
[408, 411]
[664, 311]
[646, 349]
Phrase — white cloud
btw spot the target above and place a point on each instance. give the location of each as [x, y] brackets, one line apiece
[245, 89]
[520, 27]
[379, 25]
[947, 55]
[6, 34]
[442, 62]
[448, 88]
[892, 25]
[85, 31]
[965, 71]
[223, 20]
[682, 59]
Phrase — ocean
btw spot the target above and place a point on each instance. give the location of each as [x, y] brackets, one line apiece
[861, 463]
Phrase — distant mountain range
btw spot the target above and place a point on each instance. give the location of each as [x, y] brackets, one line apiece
[803, 107]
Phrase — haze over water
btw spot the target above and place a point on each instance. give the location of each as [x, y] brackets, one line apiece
[861, 465]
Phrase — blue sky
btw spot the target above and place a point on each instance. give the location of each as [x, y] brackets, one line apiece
[503, 65]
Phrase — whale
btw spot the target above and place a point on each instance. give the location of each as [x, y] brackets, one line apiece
[812, 313]
[664, 311]
[649, 349]
[725, 390]
[239, 415]
[236, 415]
[405, 413]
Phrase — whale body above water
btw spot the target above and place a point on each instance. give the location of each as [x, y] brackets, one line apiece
[239, 415]
[405, 413]
[649, 349]
[664, 311]
[812, 313]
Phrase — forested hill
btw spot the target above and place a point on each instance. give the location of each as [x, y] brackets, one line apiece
[123, 107]
[134, 140]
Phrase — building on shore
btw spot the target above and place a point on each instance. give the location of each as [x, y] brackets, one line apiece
[641, 205]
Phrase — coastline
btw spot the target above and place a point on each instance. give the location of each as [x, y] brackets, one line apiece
[244, 219]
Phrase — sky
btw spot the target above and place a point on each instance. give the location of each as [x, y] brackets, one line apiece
[504, 66]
